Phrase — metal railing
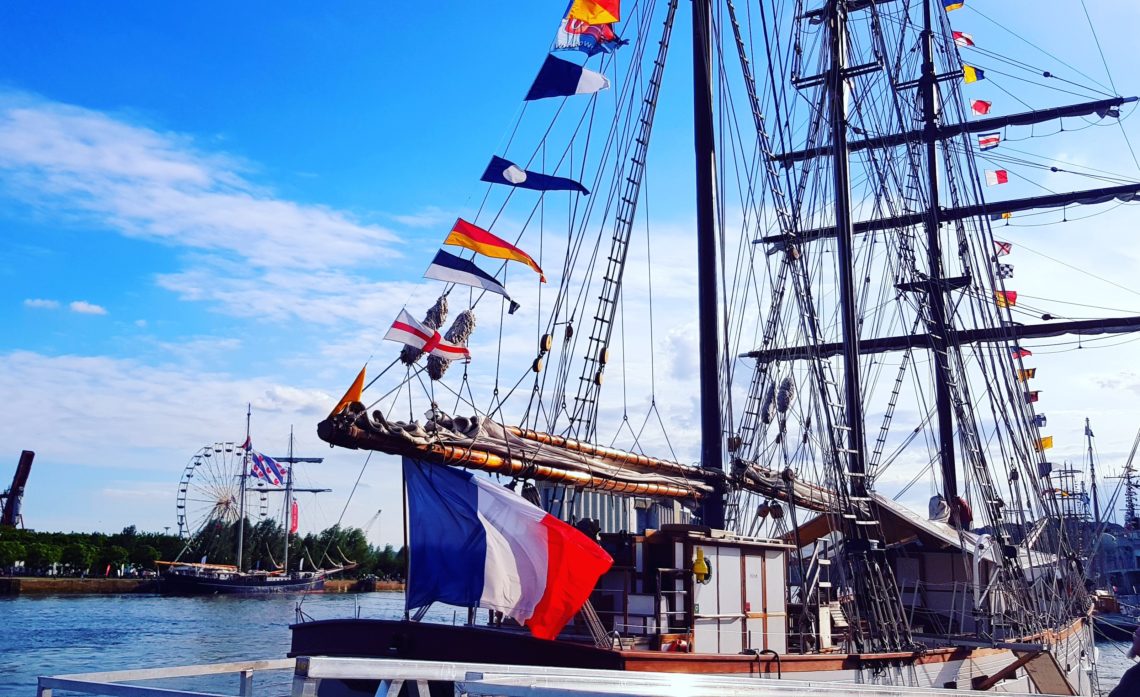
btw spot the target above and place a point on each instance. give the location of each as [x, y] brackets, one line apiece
[112, 682]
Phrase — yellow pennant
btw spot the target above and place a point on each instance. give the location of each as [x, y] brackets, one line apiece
[354, 394]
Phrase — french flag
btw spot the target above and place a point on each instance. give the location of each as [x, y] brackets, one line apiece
[474, 543]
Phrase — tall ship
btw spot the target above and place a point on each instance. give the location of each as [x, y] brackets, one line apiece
[856, 324]
[223, 487]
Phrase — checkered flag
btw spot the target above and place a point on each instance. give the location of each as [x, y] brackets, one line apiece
[1005, 270]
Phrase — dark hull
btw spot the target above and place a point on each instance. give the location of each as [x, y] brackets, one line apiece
[182, 584]
[1114, 626]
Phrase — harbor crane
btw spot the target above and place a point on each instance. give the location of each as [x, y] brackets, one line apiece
[10, 500]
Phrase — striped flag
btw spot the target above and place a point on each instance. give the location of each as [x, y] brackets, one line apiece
[996, 176]
[963, 39]
[953, 4]
[1025, 374]
[1000, 216]
[452, 269]
[1005, 298]
[464, 234]
[406, 330]
[989, 141]
[972, 74]
[980, 107]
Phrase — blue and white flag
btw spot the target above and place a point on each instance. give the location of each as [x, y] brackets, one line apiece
[502, 171]
[452, 269]
[561, 78]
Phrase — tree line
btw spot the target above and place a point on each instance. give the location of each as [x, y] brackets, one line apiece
[34, 553]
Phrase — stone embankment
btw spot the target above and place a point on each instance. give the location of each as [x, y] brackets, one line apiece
[115, 586]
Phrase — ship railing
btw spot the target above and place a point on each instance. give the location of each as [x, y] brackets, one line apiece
[494, 680]
[114, 683]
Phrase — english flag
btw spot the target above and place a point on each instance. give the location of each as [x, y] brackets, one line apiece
[406, 330]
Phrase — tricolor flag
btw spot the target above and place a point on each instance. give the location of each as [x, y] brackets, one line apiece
[989, 141]
[963, 39]
[1019, 352]
[953, 4]
[406, 330]
[502, 171]
[996, 176]
[1005, 270]
[1002, 248]
[596, 11]
[1000, 216]
[1025, 374]
[474, 543]
[1044, 444]
[1031, 397]
[1005, 298]
[464, 234]
[452, 269]
[980, 107]
[561, 78]
[972, 74]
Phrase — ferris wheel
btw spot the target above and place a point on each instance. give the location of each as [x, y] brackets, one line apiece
[210, 490]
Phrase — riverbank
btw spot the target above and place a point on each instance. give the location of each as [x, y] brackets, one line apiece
[38, 585]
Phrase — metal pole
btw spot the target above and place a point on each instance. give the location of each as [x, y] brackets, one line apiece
[288, 514]
[712, 456]
[241, 487]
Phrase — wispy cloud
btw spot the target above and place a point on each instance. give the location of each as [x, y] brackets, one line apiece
[85, 308]
[41, 304]
[79, 164]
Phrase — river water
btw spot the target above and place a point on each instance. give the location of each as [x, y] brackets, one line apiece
[52, 635]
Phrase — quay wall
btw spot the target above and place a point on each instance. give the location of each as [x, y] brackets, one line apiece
[116, 586]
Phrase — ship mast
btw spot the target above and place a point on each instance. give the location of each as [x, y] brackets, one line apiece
[241, 488]
[712, 456]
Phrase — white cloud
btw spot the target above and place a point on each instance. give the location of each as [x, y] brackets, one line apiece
[85, 308]
[41, 304]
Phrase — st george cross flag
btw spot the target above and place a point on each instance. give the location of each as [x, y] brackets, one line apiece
[1005, 270]
[561, 78]
[996, 176]
[963, 39]
[989, 141]
[452, 269]
[502, 171]
[474, 543]
[464, 234]
[1002, 248]
[981, 107]
[406, 330]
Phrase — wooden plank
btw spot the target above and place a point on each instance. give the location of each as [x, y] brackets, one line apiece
[1047, 675]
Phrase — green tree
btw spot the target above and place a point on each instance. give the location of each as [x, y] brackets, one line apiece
[77, 557]
[144, 556]
[41, 556]
[114, 555]
[10, 553]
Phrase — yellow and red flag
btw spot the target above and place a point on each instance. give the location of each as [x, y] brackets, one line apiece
[596, 11]
[1005, 298]
[464, 234]
[1024, 374]
[354, 394]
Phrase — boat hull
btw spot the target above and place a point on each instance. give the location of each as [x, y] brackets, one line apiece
[183, 584]
[957, 666]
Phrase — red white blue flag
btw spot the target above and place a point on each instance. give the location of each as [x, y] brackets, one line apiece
[474, 543]
[989, 141]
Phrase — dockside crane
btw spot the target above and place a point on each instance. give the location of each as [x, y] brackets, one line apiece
[10, 500]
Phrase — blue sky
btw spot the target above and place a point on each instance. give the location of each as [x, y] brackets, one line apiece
[210, 204]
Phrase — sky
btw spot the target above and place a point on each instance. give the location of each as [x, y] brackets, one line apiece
[210, 205]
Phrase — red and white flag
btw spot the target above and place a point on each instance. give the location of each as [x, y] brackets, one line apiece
[996, 176]
[1002, 248]
[980, 107]
[963, 39]
[406, 330]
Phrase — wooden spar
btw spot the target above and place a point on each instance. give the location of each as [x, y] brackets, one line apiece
[352, 436]
[609, 453]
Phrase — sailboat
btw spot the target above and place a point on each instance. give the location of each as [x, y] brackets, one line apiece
[853, 315]
[260, 473]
